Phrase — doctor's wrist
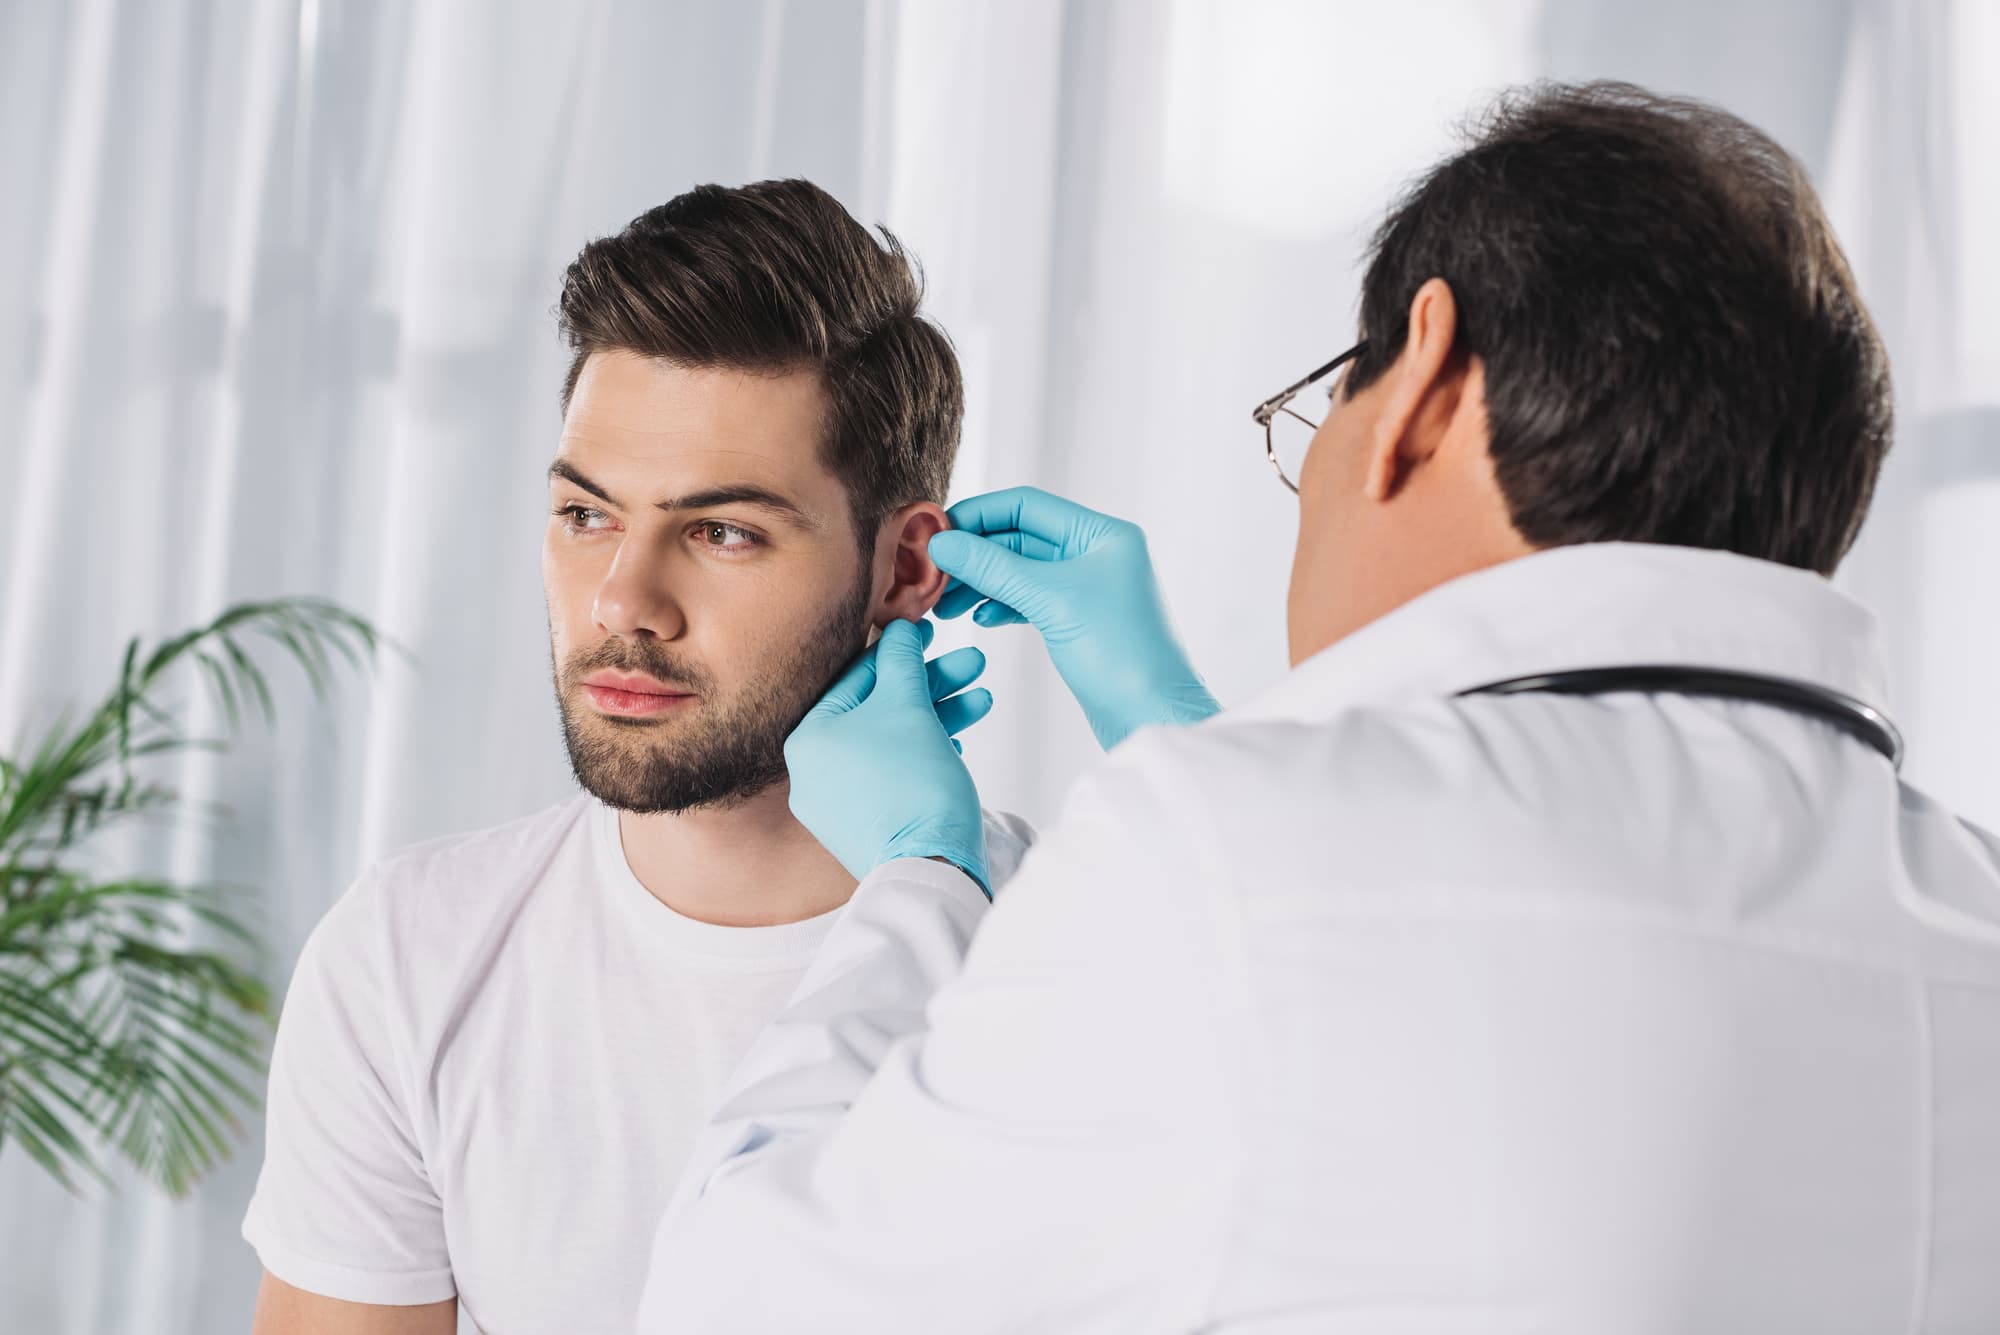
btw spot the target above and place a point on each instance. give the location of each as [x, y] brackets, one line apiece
[967, 872]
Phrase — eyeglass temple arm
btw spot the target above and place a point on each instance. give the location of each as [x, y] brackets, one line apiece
[1268, 409]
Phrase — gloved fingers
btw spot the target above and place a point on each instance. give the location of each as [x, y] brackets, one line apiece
[991, 569]
[1031, 545]
[991, 614]
[992, 511]
[953, 672]
[1044, 514]
[965, 709]
[849, 689]
[899, 656]
[959, 598]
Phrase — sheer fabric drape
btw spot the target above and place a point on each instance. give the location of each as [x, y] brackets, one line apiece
[275, 318]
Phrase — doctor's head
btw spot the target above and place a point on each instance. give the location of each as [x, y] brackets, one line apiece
[1613, 317]
[758, 430]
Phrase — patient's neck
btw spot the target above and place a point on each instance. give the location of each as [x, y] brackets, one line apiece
[751, 865]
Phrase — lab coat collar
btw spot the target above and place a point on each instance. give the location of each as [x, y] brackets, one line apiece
[1593, 605]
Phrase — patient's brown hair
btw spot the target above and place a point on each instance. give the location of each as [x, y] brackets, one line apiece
[778, 277]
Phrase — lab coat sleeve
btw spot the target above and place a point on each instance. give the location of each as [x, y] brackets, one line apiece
[1041, 1138]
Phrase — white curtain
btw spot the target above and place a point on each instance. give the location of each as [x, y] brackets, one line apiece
[275, 318]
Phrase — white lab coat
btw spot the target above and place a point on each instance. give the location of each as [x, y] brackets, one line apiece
[1368, 1009]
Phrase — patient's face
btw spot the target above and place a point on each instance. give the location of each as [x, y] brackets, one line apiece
[703, 578]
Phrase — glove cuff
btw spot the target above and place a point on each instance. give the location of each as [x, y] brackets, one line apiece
[968, 855]
[1179, 704]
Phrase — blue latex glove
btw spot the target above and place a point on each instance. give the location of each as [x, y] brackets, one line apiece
[1084, 580]
[875, 771]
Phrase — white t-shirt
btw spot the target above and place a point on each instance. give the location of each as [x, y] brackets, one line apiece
[494, 1056]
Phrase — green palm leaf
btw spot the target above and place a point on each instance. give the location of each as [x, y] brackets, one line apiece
[132, 1012]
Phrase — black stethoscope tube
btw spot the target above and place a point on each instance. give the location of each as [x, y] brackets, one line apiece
[1851, 716]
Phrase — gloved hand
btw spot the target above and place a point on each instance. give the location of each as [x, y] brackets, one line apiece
[875, 771]
[1084, 580]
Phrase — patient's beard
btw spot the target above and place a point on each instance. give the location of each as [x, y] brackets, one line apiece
[730, 748]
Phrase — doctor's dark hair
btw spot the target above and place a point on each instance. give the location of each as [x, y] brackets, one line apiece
[777, 277]
[1674, 348]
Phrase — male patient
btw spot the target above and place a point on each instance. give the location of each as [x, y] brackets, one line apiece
[498, 1047]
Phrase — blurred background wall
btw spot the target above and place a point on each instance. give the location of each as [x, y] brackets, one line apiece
[275, 317]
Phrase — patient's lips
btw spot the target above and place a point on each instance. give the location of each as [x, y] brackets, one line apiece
[633, 694]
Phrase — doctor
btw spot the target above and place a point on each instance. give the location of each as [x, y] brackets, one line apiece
[1554, 950]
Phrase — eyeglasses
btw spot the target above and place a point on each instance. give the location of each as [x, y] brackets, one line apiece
[1289, 433]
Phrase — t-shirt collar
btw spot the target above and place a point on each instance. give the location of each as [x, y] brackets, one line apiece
[790, 944]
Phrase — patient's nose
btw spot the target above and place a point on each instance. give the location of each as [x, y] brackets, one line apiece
[635, 599]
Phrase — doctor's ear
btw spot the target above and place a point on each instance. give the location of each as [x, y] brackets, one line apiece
[907, 583]
[1421, 393]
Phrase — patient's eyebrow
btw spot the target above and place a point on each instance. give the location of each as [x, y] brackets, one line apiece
[741, 493]
[570, 473]
[736, 493]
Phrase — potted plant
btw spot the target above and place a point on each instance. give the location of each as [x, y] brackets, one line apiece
[132, 1015]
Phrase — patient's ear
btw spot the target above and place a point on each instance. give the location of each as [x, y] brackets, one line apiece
[907, 582]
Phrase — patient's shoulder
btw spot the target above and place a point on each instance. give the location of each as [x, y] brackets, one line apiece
[474, 858]
[417, 899]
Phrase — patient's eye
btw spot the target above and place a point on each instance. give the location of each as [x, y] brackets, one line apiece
[582, 519]
[726, 537]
